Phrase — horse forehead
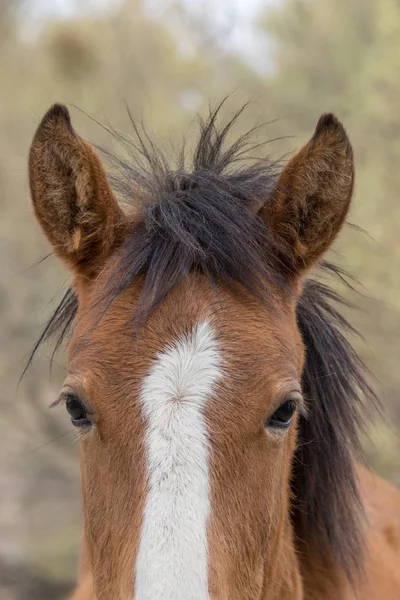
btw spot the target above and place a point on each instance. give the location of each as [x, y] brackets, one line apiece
[250, 335]
[191, 362]
[119, 347]
[194, 300]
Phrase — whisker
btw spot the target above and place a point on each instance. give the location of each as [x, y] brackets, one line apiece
[51, 441]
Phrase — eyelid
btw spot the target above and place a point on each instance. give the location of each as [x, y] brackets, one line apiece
[295, 396]
[62, 398]
[298, 399]
[68, 390]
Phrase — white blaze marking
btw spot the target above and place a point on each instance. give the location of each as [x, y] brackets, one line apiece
[172, 562]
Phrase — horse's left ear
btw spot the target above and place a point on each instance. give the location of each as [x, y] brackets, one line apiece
[71, 196]
[312, 195]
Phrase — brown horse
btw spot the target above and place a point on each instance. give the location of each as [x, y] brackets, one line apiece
[217, 400]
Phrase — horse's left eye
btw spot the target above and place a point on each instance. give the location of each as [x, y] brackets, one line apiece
[76, 411]
[282, 417]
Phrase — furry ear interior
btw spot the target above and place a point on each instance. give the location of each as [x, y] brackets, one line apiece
[71, 196]
[313, 193]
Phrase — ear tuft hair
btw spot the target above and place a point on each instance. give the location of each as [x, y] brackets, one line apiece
[58, 112]
[328, 121]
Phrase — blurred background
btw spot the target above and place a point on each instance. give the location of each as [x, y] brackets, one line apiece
[166, 60]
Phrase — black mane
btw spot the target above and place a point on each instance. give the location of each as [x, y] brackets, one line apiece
[203, 219]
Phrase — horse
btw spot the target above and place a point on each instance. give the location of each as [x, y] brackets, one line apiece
[218, 401]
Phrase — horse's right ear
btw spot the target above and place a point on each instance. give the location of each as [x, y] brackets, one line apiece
[72, 198]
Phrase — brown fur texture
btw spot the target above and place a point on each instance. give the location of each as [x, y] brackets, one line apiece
[71, 195]
[196, 250]
[313, 193]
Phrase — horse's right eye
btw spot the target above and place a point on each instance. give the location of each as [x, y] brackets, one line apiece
[77, 411]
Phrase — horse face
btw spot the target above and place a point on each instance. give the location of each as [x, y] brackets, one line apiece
[188, 417]
[186, 441]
